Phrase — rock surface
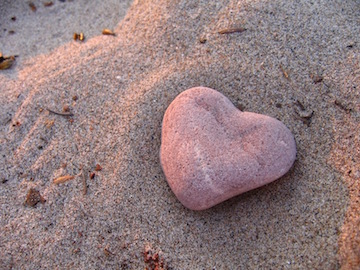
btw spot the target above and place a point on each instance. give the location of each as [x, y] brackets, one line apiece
[211, 151]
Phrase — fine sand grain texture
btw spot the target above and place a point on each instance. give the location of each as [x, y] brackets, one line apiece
[297, 61]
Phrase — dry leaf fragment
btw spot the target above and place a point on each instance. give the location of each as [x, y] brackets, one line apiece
[48, 4]
[32, 6]
[66, 108]
[33, 197]
[63, 179]
[286, 75]
[80, 36]
[316, 78]
[16, 124]
[6, 61]
[107, 252]
[49, 123]
[202, 40]
[108, 32]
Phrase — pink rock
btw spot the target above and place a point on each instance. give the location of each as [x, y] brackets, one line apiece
[211, 151]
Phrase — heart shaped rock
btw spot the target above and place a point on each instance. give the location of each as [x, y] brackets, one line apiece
[211, 151]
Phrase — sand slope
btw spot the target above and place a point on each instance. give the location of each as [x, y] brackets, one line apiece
[123, 85]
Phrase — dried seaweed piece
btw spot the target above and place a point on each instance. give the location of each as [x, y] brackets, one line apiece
[108, 32]
[63, 179]
[33, 197]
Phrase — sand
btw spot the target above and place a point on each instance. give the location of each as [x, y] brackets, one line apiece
[296, 61]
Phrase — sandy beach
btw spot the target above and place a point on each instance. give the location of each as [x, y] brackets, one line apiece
[91, 111]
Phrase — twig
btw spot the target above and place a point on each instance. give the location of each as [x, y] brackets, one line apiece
[342, 106]
[108, 32]
[58, 113]
[232, 30]
[302, 107]
[286, 75]
[63, 179]
[84, 182]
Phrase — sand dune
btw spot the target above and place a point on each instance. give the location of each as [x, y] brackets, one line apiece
[297, 62]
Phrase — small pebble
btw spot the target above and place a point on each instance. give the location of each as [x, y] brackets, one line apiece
[66, 108]
[33, 197]
[98, 167]
[211, 151]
